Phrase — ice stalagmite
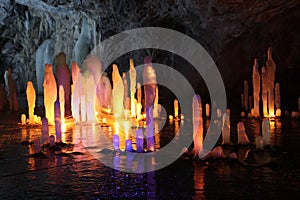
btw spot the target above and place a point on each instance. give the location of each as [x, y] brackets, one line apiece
[50, 93]
[226, 128]
[150, 84]
[139, 141]
[197, 124]
[92, 72]
[90, 94]
[132, 75]
[264, 94]
[117, 93]
[139, 93]
[104, 94]
[271, 68]
[57, 121]
[61, 93]
[246, 95]
[176, 108]
[207, 110]
[77, 89]
[126, 98]
[139, 101]
[23, 119]
[31, 97]
[277, 100]
[155, 106]
[242, 136]
[63, 78]
[256, 88]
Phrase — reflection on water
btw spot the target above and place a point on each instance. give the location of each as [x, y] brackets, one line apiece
[82, 176]
[199, 182]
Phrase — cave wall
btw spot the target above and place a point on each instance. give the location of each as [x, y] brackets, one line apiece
[234, 32]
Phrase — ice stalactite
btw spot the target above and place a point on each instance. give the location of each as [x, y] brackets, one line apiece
[27, 24]
[6, 82]
[94, 36]
[13, 101]
[44, 55]
[82, 46]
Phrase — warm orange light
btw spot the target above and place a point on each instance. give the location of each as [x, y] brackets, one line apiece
[62, 103]
[31, 97]
[50, 93]
[118, 93]
[132, 75]
[176, 108]
[23, 119]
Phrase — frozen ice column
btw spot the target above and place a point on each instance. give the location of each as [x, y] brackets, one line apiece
[256, 88]
[176, 108]
[31, 97]
[197, 124]
[132, 75]
[242, 136]
[226, 128]
[149, 77]
[277, 100]
[264, 94]
[271, 68]
[77, 89]
[63, 78]
[50, 93]
[118, 93]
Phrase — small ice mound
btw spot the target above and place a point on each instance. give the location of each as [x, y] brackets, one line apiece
[128, 144]
[184, 151]
[259, 142]
[217, 152]
[242, 136]
[295, 115]
[233, 156]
